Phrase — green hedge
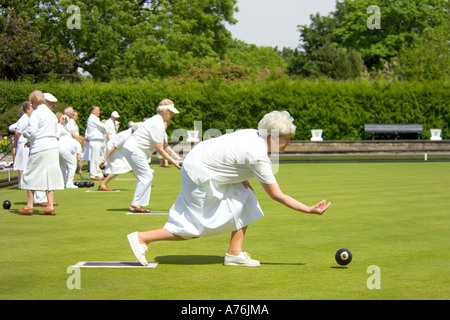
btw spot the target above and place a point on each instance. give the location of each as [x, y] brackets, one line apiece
[339, 108]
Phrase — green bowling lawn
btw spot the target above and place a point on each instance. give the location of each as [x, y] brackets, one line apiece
[393, 217]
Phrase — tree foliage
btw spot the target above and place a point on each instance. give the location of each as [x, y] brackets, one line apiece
[428, 58]
[23, 53]
[403, 24]
[157, 39]
[328, 61]
[130, 38]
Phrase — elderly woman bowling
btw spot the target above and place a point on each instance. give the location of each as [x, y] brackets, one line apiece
[216, 195]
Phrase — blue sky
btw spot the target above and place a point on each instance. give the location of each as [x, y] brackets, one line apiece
[274, 22]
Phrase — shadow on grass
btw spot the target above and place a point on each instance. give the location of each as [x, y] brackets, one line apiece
[118, 209]
[190, 260]
[284, 263]
[200, 260]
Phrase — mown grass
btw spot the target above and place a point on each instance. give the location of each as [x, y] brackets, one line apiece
[392, 215]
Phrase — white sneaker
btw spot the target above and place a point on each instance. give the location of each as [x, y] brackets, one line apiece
[71, 186]
[242, 260]
[139, 249]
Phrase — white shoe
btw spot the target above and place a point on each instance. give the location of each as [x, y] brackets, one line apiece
[139, 249]
[242, 260]
[71, 186]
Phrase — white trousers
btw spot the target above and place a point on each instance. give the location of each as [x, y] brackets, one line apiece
[139, 163]
[68, 165]
[95, 156]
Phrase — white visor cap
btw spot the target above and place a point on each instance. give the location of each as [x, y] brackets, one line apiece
[170, 107]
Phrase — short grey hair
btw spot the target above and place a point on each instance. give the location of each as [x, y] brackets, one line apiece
[67, 110]
[280, 122]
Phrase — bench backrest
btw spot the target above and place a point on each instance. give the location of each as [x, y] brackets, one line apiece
[397, 128]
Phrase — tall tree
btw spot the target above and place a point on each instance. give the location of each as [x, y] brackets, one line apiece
[22, 49]
[401, 23]
[137, 38]
[428, 58]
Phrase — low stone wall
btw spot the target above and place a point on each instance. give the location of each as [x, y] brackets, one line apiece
[368, 147]
[355, 147]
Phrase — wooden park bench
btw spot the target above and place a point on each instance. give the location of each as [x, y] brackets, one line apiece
[396, 129]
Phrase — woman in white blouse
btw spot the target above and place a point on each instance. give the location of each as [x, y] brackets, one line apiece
[138, 149]
[42, 172]
[216, 196]
[22, 150]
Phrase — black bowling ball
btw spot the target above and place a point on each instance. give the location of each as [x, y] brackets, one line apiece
[6, 204]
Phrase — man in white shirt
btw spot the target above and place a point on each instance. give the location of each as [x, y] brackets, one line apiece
[95, 131]
[112, 125]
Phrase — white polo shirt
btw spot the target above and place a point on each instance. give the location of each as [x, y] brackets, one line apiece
[144, 138]
[119, 139]
[231, 158]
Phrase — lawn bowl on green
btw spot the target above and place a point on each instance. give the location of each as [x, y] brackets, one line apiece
[6, 204]
[343, 257]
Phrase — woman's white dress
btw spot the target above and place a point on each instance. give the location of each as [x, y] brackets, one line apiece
[43, 171]
[213, 199]
[117, 163]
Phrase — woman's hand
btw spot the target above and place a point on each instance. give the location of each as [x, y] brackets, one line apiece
[274, 191]
[320, 208]
[247, 185]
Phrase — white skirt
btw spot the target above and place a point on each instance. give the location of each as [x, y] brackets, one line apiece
[43, 172]
[21, 159]
[117, 163]
[211, 209]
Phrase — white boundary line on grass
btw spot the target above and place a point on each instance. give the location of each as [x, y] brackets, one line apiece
[101, 191]
[153, 213]
[114, 265]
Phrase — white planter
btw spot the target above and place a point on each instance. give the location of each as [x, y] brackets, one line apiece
[436, 134]
[193, 136]
[316, 135]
